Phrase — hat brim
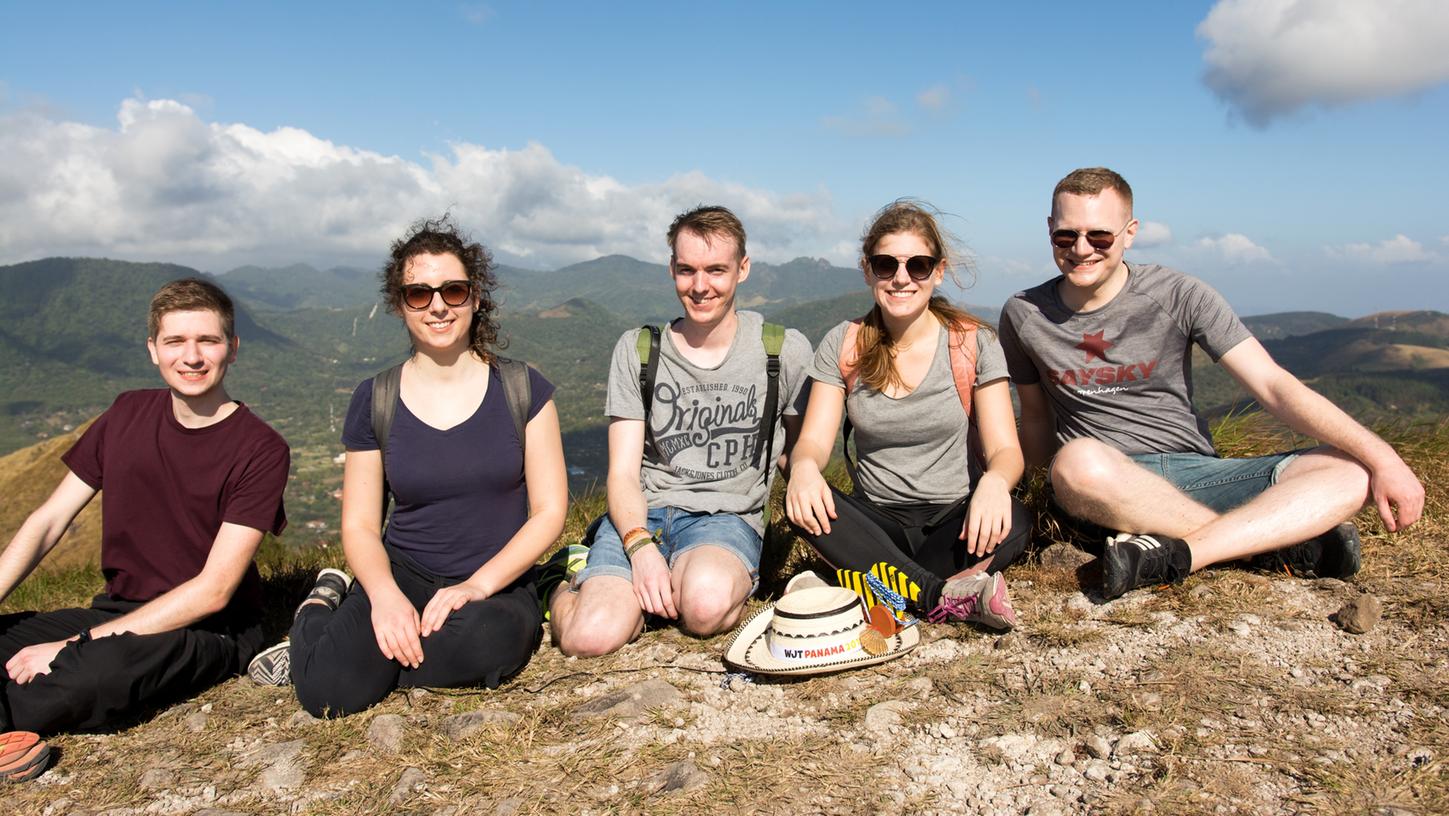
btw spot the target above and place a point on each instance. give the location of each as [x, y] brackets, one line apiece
[749, 652]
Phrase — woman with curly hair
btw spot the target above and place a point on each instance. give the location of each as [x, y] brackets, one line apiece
[931, 521]
[444, 596]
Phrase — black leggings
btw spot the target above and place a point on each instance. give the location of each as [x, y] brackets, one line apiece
[338, 670]
[107, 680]
[918, 540]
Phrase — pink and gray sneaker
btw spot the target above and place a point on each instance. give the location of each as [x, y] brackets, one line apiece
[979, 598]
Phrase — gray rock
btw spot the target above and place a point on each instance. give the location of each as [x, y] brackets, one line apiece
[1097, 770]
[680, 776]
[196, 722]
[1066, 758]
[1065, 557]
[386, 733]
[462, 726]
[634, 701]
[508, 806]
[1359, 615]
[1098, 746]
[284, 771]
[419, 696]
[1137, 742]
[157, 779]
[301, 718]
[411, 781]
[1060, 791]
[883, 716]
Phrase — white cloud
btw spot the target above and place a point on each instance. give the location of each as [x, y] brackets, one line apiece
[476, 13]
[934, 98]
[877, 118]
[1269, 58]
[1396, 250]
[1152, 234]
[1235, 249]
[164, 184]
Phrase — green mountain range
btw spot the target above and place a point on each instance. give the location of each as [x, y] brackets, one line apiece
[72, 334]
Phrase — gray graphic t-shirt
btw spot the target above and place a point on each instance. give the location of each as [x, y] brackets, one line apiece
[912, 448]
[1122, 374]
[706, 420]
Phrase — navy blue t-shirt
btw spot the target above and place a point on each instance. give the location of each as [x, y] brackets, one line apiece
[459, 494]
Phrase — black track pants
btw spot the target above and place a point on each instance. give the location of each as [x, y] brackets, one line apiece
[337, 668]
[918, 540]
[104, 681]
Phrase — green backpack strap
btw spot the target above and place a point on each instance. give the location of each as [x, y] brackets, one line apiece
[518, 392]
[647, 344]
[773, 338]
[386, 385]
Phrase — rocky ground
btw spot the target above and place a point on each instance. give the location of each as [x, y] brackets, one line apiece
[1230, 693]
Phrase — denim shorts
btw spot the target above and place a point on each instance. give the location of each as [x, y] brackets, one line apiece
[681, 531]
[1220, 484]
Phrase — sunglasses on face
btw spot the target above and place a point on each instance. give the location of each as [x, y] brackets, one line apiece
[1099, 239]
[419, 296]
[919, 267]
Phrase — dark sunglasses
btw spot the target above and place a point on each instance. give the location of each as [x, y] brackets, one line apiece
[419, 296]
[1099, 239]
[919, 267]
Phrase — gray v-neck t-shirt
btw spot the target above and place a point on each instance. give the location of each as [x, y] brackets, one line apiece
[912, 448]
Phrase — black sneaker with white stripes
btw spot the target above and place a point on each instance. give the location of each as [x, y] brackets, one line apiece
[1130, 561]
[1337, 553]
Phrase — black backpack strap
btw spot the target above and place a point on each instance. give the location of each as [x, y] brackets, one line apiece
[773, 338]
[386, 385]
[647, 345]
[518, 391]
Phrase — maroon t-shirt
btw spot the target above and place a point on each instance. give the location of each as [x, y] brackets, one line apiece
[166, 490]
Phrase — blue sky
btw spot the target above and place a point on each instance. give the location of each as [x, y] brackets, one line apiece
[1290, 152]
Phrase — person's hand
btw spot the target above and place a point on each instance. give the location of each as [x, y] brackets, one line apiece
[445, 602]
[33, 661]
[651, 582]
[808, 501]
[1398, 495]
[395, 625]
[988, 517]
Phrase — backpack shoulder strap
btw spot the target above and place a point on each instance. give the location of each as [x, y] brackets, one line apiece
[386, 387]
[518, 391]
[647, 344]
[772, 336]
[963, 363]
[849, 360]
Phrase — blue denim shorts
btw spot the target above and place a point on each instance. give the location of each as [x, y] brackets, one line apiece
[682, 531]
[1220, 484]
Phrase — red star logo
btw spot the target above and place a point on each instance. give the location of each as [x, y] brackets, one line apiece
[1095, 345]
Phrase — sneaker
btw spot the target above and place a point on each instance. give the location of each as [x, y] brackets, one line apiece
[1337, 553]
[1130, 561]
[23, 756]
[560, 568]
[272, 666]
[979, 598]
[329, 588]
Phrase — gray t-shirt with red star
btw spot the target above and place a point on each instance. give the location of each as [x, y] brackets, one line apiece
[1122, 374]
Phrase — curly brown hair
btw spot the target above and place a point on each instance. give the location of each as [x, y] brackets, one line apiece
[874, 348]
[441, 236]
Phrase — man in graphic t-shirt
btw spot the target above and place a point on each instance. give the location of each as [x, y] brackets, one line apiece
[685, 525]
[190, 480]
[1102, 361]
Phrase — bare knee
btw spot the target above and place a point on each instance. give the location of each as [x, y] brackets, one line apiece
[1082, 470]
[1343, 475]
[709, 603]
[595, 629]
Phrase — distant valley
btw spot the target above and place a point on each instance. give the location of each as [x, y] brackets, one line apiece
[72, 334]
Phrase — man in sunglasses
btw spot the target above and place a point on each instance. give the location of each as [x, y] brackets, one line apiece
[191, 481]
[690, 459]
[1102, 361]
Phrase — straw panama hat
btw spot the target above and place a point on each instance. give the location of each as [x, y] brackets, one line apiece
[812, 629]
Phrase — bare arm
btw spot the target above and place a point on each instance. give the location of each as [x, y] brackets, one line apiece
[627, 508]
[808, 502]
[1038, 438]
[395, 621]
[41, 531]
[1396, 491]
[791, 425]
[548, 498]
[988, 517]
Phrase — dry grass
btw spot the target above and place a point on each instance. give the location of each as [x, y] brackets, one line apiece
[1360, 727]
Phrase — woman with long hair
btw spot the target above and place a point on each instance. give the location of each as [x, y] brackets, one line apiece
[931, 521]
[444, 595]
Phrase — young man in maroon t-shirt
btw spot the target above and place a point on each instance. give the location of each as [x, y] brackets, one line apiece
[190, 481]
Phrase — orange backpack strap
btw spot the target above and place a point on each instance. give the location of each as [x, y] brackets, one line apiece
[849, 360]
[963, 362]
